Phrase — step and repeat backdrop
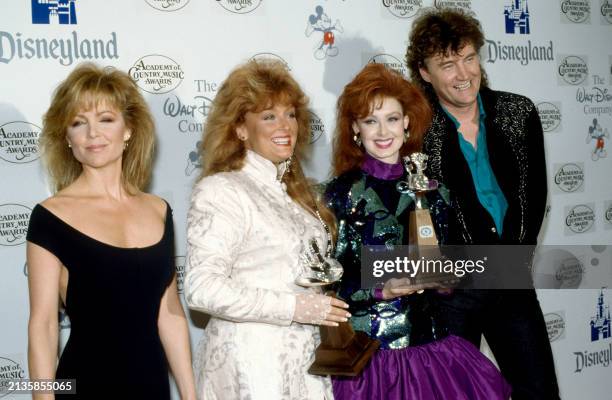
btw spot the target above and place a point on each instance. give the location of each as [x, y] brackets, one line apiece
[557, 52]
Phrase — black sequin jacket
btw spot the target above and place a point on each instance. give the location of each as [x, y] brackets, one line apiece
[516, 150]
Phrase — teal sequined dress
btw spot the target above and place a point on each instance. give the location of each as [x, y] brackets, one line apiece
[371, 211]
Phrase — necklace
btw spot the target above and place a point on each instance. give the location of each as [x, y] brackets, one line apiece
[330, 246]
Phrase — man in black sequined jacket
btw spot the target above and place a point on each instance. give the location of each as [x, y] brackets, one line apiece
[487, 148]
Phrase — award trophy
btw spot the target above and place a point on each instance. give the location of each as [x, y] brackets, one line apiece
[421, 234]
[342, 350]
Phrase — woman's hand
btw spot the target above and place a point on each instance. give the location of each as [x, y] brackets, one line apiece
[318, 309]
[395, 287]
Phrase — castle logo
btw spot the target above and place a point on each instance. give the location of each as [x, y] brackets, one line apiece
[54, 12]
[600, 322]
[516, 16]
[569, 177]
[403, 8]
[550, 116]
[19, 142]
[576, 11]
[573, 70]
[157, 74]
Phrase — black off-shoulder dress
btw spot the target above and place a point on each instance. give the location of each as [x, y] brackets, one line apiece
[113, 297]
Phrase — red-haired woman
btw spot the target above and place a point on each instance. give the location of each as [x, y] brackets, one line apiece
[381, 118]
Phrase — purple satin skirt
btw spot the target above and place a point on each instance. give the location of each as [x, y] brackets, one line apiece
[450, 368]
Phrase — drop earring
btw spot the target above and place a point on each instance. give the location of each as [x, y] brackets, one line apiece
[406, 134]
[357, 140]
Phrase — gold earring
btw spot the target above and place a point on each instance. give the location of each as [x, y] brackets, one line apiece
[357, 140]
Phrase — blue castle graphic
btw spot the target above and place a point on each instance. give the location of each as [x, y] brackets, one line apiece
[517, 17]
[600, 323]
[54, 12]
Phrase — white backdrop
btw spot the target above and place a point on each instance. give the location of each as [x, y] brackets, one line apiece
[179, 51]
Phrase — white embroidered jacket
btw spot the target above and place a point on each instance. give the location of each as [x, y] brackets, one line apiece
[245, 236]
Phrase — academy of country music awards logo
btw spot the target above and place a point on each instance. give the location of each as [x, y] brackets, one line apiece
[403, 8]
[572, 69]
[569, 177]
[19, 142]
[608, 215]
[555, 325]
[550, 116]
[156, 74]
[598, 330]
[579, 218]
[317, 128]
[10, 370]
[390, 62]
[270, 56]
[180, 273]
[239, 6]
[557, 268]
[321, 25]
[576, 11]
[465, 5]
[167, 5]
[606, 11]
[63, 49]
[14, 219]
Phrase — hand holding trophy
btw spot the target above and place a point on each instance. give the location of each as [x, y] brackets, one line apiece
[342, 350]
[421, 234]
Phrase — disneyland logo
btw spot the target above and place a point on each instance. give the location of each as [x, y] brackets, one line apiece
[465, 5]
[606, 11]
[188, 113]
[550, 116]
[524, 54]
[156, 74]
[580, 218]
[180, 273]
[239, 6]
[576, 10]
[317, 129]
[403, 8]
[555, 325]
[9, 372]
[587, 359]
[167, 5]
[573, 70]
[569, 177]
[390, 62]
[14, 220]
[19, 142]
[65, 50]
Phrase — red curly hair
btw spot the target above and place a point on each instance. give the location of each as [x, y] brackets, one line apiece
[360, 96]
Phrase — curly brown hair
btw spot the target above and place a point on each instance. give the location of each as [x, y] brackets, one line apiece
[85, 88]
[365, 91]
[440, 32]
[253, 87]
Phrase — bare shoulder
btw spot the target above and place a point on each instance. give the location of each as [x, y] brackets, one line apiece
[155, 203]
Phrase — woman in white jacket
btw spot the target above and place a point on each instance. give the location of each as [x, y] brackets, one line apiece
[252, 216]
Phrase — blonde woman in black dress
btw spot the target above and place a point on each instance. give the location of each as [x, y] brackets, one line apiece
[104, 248]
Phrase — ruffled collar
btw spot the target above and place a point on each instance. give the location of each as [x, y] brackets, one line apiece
[382, 170]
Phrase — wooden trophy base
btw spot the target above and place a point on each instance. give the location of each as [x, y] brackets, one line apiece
[342, 351]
